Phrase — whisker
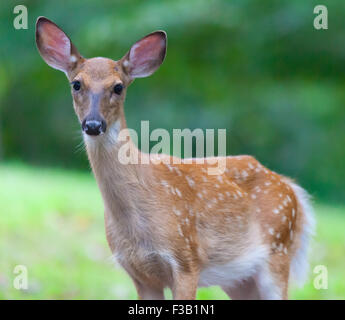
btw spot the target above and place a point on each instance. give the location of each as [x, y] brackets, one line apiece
[80, 147]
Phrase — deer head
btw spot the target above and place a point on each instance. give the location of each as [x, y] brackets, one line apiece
[98, 85]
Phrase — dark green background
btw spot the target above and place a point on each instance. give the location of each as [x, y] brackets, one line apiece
[255, 67]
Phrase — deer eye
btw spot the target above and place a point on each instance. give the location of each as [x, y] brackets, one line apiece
[76, 85]
[118, 88]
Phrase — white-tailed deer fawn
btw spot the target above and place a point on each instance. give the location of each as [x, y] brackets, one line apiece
[173, 225]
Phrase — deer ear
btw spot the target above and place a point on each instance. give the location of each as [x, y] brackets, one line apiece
[146, 55]
[55, 47]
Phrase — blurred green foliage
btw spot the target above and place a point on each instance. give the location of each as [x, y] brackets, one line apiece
[56, 230]
[257, 68]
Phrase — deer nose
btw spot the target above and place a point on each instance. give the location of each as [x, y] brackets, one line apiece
[94, 127]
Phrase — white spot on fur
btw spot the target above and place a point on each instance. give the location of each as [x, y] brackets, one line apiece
[178, 192]
[172, 190]
[190, 181]
[177, 212]
[164, 183]
[178, 171]
[180, 231]
[220, 178]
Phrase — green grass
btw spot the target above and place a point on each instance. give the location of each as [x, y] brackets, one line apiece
[51, 221]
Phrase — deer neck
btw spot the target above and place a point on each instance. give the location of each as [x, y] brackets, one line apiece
[121, 184]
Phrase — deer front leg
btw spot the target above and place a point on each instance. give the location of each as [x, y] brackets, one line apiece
[146, 292]
[185, 286]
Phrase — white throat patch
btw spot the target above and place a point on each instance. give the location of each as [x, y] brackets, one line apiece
[113, 133]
